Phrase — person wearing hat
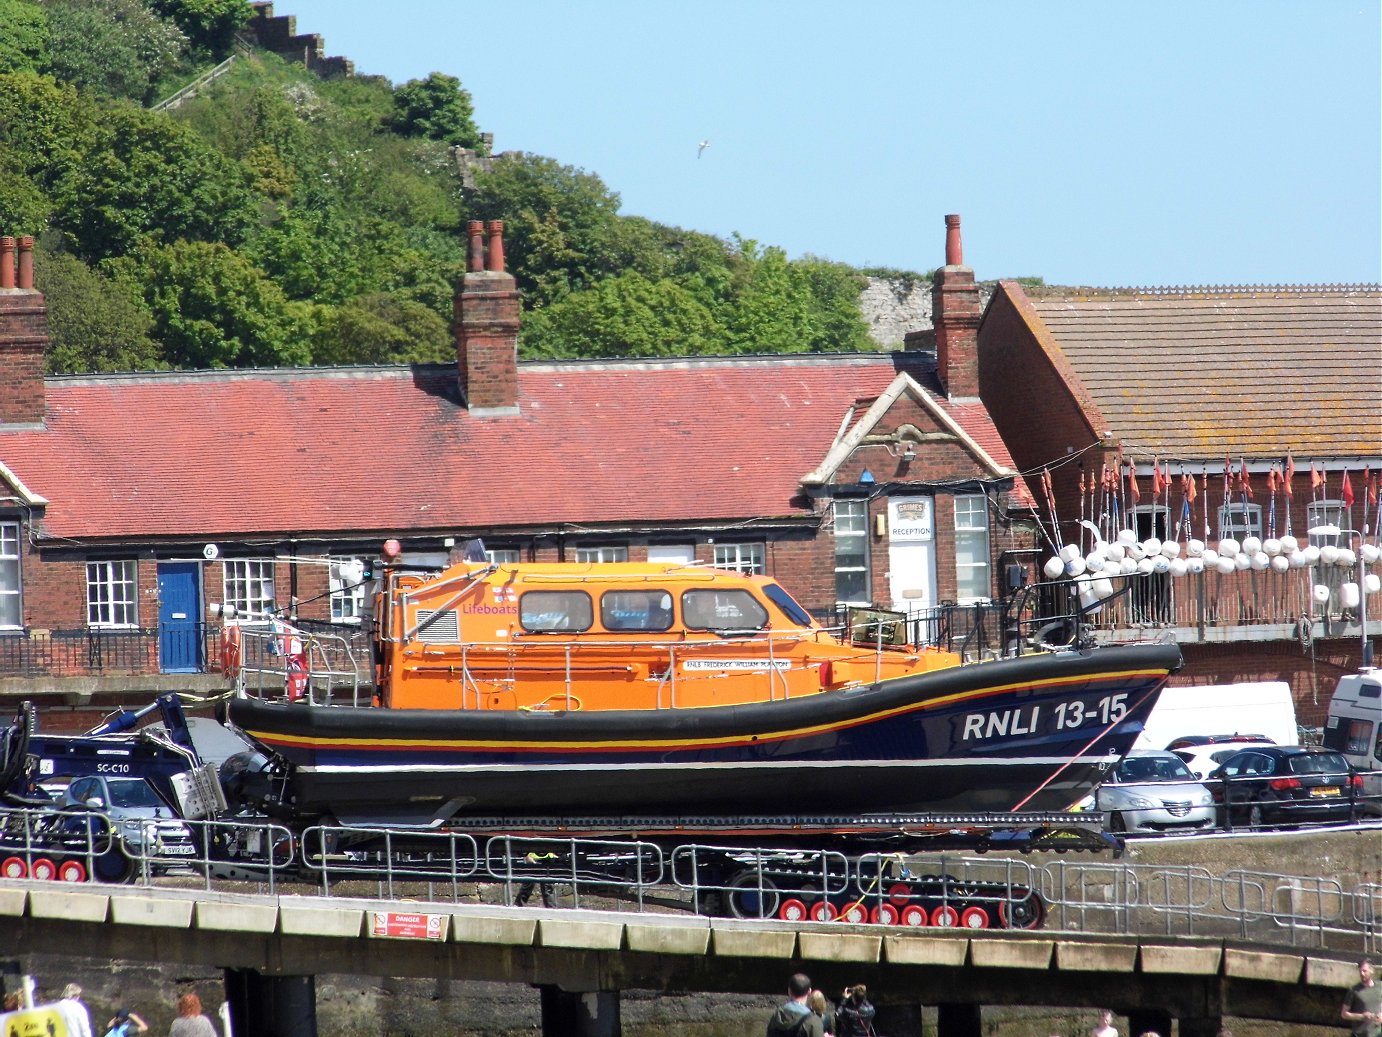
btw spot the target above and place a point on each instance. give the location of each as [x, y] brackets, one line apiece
[124, 1023]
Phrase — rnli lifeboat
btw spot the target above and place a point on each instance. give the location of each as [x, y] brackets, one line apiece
[616, 688]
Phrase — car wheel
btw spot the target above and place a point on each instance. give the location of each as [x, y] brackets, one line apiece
[1116, 822]
[1257, 818]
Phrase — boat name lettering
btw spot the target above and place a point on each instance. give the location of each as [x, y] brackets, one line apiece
[489, 610]
[1026, 720]
[736, 664]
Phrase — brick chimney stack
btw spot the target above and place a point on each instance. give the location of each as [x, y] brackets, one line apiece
[955, 311]
[487, 322]
[23, 336]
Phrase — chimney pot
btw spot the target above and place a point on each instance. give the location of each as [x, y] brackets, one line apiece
[6, 262]
[26, 262]
[475, 229]
[954, 252]
[496, 246]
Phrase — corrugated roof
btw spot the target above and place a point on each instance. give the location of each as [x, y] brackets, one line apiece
[378, 449]
[1200, 372]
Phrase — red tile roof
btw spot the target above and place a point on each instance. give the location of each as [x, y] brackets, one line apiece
[391, 449]
[1200, 372]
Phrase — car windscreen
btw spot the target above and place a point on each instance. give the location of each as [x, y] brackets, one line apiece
[131, 792]
[1317, 763]
[1154, 768]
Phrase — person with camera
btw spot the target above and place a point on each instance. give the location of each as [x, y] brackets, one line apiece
[854, 1014]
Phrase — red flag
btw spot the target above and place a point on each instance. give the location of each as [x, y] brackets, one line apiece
[1243, 483]
[1157, 483]
[1316, 479]
[1369, 487]
[1347, 491]
[1133, 491]
[1046, 482]
[1290, 475]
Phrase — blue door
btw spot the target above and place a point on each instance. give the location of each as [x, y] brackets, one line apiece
[179, 617]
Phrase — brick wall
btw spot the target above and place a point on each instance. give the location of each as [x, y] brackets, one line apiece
[23, 343]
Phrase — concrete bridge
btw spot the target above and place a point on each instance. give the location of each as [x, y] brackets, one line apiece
[271, 947]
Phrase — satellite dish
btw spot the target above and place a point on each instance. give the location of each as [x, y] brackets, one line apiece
[211, 552]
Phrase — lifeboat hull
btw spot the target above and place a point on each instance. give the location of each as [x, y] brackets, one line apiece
[1032, 733]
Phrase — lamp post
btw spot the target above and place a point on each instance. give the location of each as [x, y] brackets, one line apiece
[1333, 530]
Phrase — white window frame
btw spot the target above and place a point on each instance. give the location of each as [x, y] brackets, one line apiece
[851, 521]
[1327, 513]
[11, 576]
[347, 600]
[747, 558]
[968, 574]
[503, 555]
[1238, 520]
[112, 594]
[248, 585]
[594, 554]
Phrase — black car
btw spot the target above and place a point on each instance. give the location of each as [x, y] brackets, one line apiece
[1279, 784]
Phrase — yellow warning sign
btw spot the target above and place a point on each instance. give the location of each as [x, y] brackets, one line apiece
[44, 1021]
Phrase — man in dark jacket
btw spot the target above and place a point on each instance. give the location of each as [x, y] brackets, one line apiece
[854, 1016]
[794, 1018]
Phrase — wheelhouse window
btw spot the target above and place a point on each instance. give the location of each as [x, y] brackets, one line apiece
[249, 586]
[744, 558]
[723, 610]
[1239, 520]
[112, 594]
[852, 551]
[972, 567]
[10, 612]
[602, 553]
[347, 592]
[636, 610]
[551, 611]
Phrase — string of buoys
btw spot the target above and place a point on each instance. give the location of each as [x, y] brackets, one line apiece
[1126, 555]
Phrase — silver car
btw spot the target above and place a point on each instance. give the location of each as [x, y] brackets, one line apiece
[1152, 790]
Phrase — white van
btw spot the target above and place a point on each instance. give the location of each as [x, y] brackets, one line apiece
[1263, 708]
[1354, 728]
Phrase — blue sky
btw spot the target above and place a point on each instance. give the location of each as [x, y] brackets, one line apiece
[1097, 143]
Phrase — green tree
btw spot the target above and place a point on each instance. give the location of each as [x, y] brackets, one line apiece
[625, 316]
[212, 308]
[114, 47]
[436, 108]
[838, 323]
[381, 329]
[559, 223]
[94, 323]
[208, 24]
[45, 128]
[23, 37]
[146, 176]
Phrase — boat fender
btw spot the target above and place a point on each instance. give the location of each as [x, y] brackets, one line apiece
[230, 651]
[827, 674]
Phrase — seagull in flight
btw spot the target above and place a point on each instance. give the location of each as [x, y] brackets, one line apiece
[703, 145]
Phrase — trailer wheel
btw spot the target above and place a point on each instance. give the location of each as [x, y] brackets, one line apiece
[823, 911]
[915, 916]
[899, 893]
[14, 868]
[855, 912]
[792, 910]
[945, 917]
[44, 870]
[883, 914]
[974, 918]
[71, 871]
[752, 895]
[1022, 910]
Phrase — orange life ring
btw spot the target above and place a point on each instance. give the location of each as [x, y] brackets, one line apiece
[230, 651]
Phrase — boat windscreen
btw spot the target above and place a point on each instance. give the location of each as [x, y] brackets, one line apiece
[787, 604]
